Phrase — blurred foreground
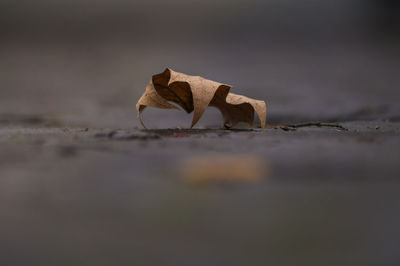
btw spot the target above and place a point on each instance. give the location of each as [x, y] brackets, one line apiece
[82, 196]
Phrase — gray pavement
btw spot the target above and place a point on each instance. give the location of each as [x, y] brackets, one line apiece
[98, 196]
[82, 184]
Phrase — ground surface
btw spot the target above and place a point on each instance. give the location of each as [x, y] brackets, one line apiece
[82, 184]
[98, 196]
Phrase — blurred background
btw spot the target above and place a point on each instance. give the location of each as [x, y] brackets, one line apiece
[83, 59]
[81, 185]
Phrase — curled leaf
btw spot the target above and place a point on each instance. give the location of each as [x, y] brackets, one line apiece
[194, 93]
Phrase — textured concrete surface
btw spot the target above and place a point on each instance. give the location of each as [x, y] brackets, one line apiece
[97, 196]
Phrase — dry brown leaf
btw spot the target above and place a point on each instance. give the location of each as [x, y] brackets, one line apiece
[194, 93]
